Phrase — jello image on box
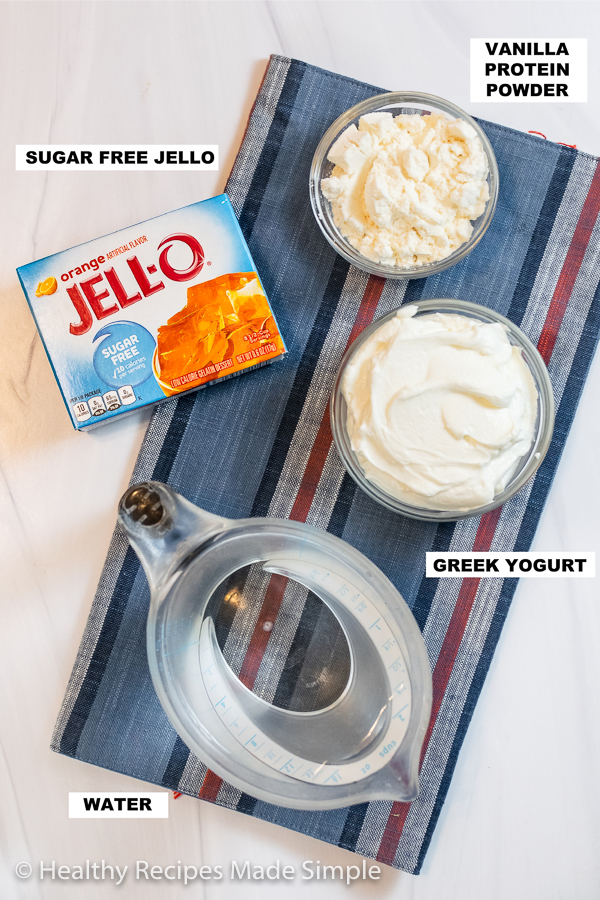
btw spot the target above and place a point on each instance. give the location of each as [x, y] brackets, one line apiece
[158, 309]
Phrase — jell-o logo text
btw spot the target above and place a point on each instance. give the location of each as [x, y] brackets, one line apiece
[96, 295]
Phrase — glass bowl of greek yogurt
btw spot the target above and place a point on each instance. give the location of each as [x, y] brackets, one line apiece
[404, 185]
[442, 410]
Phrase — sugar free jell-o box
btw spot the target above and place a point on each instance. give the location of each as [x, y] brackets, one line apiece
[162, 308]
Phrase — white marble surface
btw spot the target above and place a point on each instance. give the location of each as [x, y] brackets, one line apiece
[521, 819]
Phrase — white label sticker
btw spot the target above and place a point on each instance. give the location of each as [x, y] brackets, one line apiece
[117, 157]
[526, 70]
[119, 805]
[510, 565]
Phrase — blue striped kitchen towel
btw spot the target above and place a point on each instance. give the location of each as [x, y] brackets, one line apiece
[261, 445]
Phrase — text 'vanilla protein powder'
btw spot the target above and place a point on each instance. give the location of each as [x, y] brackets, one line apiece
[441, 408]
[405, 188]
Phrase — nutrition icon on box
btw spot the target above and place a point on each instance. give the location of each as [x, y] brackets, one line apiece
[158, 309]
[112, 400]
[126, 395]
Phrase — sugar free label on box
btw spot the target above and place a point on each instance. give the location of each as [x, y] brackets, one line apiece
[152, 311]
[124, 354]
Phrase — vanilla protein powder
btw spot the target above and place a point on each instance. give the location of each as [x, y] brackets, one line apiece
[405, 188]
[441, 408]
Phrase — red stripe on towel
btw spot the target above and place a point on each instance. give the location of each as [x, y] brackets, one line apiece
[570, 269]
[441, 676]
[322, 444]
[210, 787]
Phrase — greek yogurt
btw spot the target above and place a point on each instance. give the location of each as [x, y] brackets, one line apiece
[441, 408]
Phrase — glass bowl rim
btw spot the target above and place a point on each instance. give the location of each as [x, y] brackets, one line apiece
[536, 453]
[317, 200]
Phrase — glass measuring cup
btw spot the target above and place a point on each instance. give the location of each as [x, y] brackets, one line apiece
[365, 744]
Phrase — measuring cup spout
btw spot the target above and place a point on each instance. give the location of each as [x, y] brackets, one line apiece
[406, 771]
[164, 528]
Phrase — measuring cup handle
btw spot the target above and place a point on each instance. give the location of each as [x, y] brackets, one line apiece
[163, 528]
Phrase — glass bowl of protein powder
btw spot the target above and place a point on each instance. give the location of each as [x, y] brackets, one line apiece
[404, 185]
[442, 410]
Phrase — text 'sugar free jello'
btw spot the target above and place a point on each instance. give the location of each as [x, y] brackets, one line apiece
[158, 309]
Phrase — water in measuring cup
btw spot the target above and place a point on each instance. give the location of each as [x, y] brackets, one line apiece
[358, 717]
[281, 640]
